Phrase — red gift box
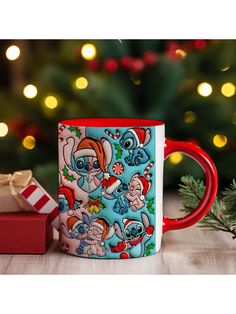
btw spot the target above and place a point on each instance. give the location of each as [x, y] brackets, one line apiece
[20, 191]
[25, 233]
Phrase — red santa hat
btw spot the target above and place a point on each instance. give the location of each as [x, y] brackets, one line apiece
[144, 184]
[72, 222]
[109, 185]
[69, 195]
[127, 222]
[103, 225]
[139, 134]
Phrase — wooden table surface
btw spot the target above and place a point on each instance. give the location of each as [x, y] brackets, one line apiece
[188, 251]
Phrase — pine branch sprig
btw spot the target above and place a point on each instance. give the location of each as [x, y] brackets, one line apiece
[222, 216]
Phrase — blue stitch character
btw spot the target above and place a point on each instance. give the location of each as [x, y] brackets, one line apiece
[77, 228]
[114, 189]
[134, 140]
[66, 201]
[134, 236]
[88, 160]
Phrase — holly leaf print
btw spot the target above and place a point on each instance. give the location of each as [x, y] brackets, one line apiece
[149, 248]
[76, 130]
[150, 207]
[119, 151]
[66, 174]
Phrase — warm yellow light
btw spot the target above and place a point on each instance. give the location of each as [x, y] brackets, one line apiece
[81, 82]
[189, 117]
[13, 53]
[181, 53]
[51, 102]
[226, 68]
[3, 129]
[29, 142]
[220, 140]
[228, 89]
[30, 91]
[204, 89]
[137, 81]
[176, 158]
[88, 51]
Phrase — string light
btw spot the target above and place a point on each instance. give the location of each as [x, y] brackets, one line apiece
[29, 142]
[3, 129]
[13, 53]
[30, 91]
[181, 53]
[226, 68]
[81, 82]
[51, 102]
[189, 117]
[220, 140]
[176, 158]
[204, 89]
[88, 51]
[228, 89]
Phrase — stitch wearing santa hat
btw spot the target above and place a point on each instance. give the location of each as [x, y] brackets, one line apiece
[110, 185]
[140, 134]
[69, 195]
[145, 186]
[72, 223]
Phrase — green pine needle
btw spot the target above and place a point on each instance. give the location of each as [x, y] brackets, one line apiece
[222, 216]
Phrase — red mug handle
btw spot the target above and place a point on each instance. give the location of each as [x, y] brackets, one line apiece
[209, 168]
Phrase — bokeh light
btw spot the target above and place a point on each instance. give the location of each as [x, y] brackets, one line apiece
[181, 53]
[29, 142]
[204, 89]
[220, 140]
[189, 117]
[176, 158]
[81, 82]
[88, 51]
[3, 129]
[228, 89]
[226, 68]
[30, 91]
[51, 102]
[13, 53]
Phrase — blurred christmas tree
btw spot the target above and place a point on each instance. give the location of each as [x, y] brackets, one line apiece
[188, 84]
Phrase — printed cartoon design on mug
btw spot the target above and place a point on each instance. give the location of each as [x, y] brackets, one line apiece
[114, 189]
[134, 236]
[66, 200]
[91, 232]
[91, 158]
[104, 195]
[76, 228]
[134, 140]
[138, 188]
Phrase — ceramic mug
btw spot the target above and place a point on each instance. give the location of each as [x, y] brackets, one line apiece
[111, 186]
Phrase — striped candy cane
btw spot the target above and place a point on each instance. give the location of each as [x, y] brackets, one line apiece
[113, 136]
[146, 170]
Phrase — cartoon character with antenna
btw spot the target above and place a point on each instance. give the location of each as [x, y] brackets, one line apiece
[90, 158]
[134, 140]
[134, 235]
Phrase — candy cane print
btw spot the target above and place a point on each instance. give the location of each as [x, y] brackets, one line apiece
[61, 129]
[113, 136]
[146, 170]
